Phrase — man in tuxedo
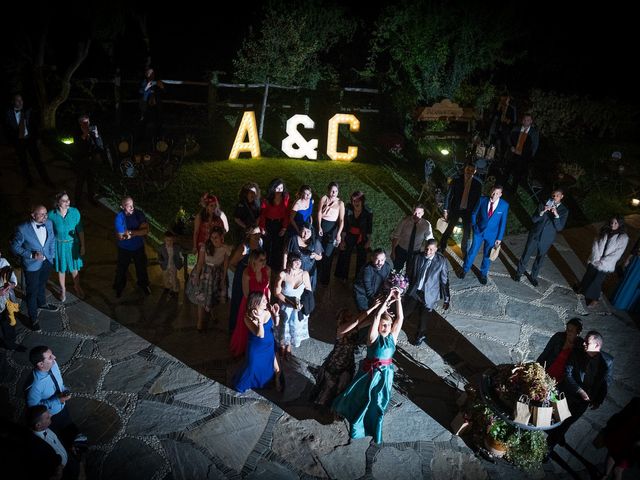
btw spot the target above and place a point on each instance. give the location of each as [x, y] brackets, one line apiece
[428, 276]
[35, 243]
[407, 238]
[489, 222]
[462, 197]
[22, 132]
[548, 220]
[523, 144]
[588, 375]
[371, 279]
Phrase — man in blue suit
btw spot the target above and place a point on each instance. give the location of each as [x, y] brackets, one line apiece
[489, 221]
[35, 242]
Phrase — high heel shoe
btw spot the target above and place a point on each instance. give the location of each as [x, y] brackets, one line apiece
[63, 296]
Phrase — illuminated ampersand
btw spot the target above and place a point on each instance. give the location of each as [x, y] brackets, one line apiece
[304, 148]
[247, 127]
[332, 137]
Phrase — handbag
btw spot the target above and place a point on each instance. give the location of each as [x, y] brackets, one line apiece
[542, 415]
[441, 225]
[495, 252]
[561, 409]
[12, 308]
[522, 414]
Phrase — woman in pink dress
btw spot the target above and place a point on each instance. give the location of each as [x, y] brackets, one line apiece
[255, 278]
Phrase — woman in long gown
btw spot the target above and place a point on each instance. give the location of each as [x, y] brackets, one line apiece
[364, 402]
[301, 210]
[261, 363]
[273, 222]
[628, 292]
[358, 224]
[294, 327]
[255, 278]
[337, 370]
[237, 264]
[67, 225]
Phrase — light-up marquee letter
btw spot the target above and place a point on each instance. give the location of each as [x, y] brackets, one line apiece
[304, 148]
[247, 127]
[332, 137]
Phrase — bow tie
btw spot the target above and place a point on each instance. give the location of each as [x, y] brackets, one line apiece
[40, 225]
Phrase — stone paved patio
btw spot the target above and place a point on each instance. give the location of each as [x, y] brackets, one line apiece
[153, 395]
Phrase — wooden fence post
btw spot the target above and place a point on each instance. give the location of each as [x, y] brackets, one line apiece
[212, 96]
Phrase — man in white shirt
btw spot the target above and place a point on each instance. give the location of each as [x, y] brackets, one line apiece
[22, 132]
[47, 449]
[408, 237]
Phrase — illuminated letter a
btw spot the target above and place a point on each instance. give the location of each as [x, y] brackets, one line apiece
[247, 127]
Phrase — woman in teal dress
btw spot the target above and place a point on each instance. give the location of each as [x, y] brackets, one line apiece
[67, 225]
[627, 296]
[364, 402]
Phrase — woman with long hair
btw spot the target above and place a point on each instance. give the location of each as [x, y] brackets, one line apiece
[248, 207]
[607, 249]
[358, 224]
[330, 225]
[273, 222]
[70, 246]
[364, 402]
[211, 215]
[207, 284]
[301, 210]
[308, 249]
[255, 278]
[261, 364]
[291, 283]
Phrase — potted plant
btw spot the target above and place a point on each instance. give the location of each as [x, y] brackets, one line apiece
[497, 437]
[527, 449]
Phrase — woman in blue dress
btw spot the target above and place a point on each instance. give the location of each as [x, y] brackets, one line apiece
[301, 210]
[67, 225]
[628, 292]
[261, 364]
[364, 402]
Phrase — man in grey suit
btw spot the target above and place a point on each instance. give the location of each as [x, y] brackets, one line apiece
[428, 282]
[35, 243]
[548, 220]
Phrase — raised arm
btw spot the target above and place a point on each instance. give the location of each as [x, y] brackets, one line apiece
[397, 324]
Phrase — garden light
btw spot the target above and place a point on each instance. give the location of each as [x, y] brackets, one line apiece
[67, 140]
[444, 152]
[635, 202]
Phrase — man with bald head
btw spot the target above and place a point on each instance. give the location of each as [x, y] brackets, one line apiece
[131, 227]
[35, 243]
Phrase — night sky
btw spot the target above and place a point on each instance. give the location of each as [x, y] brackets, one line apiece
[570, 48]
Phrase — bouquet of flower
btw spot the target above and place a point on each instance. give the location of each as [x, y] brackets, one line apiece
[524, 379]
[395, 280]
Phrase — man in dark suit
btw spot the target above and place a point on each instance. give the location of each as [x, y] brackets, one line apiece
[548, 220]
[588, 375]
[35, 243]
[22, 131]
[523, 143]
[489, 221]
[428, 282]
[88, 146]
[462, 197]
[371, 279]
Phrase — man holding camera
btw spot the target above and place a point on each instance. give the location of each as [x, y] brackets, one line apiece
[47, 388]
[548, 220]
[88, 148]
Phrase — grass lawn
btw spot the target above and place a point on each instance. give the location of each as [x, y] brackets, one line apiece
[390, 190]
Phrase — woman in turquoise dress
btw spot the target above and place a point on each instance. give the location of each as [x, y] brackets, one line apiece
[261, 364]
[364, 402]
[67, 225]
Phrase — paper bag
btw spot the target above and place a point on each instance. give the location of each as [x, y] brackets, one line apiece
[542, 415]
[441, 225]
[459, 424]
[561, 409]
[522, 414]
[495, 251]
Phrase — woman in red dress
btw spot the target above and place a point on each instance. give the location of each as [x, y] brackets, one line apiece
[255, 278]
[210, 216]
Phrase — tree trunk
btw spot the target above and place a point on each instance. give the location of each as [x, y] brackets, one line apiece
[49, 108]
[264, 108]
